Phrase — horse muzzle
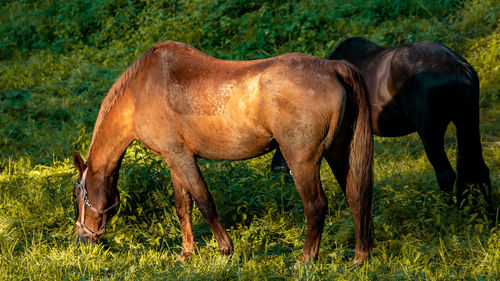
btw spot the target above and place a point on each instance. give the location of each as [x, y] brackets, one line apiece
[83, 238]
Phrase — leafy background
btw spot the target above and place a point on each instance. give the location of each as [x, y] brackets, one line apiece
[59, 58]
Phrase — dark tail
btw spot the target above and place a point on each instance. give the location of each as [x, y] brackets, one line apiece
[361, 148]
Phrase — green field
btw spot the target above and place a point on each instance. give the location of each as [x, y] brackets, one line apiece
[59, 58]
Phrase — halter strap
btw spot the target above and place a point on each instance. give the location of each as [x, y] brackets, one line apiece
[82, 186]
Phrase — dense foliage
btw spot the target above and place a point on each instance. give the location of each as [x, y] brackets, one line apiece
[59, 58]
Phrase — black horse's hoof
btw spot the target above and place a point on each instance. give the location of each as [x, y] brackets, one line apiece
[279, 169]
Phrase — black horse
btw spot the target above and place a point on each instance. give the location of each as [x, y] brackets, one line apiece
[422, 87]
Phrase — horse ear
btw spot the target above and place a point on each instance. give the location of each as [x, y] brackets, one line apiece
[79, 163]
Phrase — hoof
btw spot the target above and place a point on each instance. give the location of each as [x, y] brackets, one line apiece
[448, 198]
[226, 255]
[486, 190]
[179, 261]
[227, 249]
[182, 258]
[300, 265]
[446, 181]
[360, 258]
[303, 263]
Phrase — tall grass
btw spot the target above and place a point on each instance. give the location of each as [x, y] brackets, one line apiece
[59, 58]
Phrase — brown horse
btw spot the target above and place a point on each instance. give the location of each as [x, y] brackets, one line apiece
[183, 104]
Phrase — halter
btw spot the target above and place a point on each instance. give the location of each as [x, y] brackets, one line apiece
[82, 187]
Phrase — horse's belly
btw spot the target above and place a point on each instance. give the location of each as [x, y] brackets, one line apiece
[217, 139]
[391, 122]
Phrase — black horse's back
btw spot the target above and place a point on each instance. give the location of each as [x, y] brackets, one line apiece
[433, 57]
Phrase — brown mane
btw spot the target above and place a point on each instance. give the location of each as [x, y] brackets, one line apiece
[118, 88]
[126, 78]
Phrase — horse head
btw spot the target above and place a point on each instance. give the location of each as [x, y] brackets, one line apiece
[94, 205]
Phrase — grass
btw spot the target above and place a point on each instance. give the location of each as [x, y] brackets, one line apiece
[57, 61]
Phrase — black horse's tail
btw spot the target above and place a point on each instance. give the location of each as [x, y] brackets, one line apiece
[361, 146]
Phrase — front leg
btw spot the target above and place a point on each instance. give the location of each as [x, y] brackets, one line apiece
[184, 207]
[190, 183]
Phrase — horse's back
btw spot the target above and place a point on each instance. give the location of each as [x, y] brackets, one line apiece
[198, 84]
[431, 57]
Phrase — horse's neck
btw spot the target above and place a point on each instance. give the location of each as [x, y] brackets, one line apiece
[112, 137]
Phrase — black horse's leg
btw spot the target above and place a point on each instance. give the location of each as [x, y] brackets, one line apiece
[278, 164]
[471, 168]
[307, 181]
[186, 174]
[432, 134]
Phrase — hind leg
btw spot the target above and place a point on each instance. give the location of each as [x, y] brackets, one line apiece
[358, 198]
[305, 171]
[471, 168]
[432, 135]
[188, 183]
